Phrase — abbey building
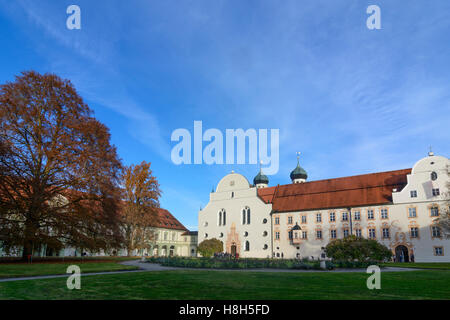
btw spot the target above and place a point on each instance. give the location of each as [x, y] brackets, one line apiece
[397, 208]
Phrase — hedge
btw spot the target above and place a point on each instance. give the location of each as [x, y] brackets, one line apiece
[252, 263]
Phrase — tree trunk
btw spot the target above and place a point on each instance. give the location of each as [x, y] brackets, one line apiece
[27, 249]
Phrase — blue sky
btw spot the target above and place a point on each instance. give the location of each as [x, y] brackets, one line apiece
[352, 100]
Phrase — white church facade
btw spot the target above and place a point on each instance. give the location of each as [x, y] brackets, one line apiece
[397, 208]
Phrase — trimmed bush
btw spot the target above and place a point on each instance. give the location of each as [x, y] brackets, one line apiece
[207, 248]
[353, 249]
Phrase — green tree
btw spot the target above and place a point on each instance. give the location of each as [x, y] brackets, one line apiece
[357, 249]
[207, 248]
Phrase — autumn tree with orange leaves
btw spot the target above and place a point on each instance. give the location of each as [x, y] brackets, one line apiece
[59, 174]
[140, 216]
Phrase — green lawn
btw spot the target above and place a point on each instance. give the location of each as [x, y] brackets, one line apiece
[420, 265]
[38, 269]
[430, 284]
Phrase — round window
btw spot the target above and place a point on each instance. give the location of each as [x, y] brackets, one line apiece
[265, 247]
[433, 176]
[265, 234]
[245, 233]
[264, 221]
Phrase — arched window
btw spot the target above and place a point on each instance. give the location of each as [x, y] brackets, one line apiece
[247, 246]
[222, 218]
[246, 215]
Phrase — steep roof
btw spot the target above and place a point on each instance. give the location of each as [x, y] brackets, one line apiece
[190, 233]
[361, 190]
[168, 221]
[266, 194]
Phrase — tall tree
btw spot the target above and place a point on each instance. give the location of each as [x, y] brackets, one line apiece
[444, 218]
[140, 215]
[59, 174]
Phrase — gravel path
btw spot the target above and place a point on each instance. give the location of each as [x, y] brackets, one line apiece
[148, 267]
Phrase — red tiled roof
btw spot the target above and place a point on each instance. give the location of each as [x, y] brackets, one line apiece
[168, 221]
[266, 194]
[362, 190]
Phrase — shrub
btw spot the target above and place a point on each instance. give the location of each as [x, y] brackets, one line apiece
[357, 249]
[207, 248]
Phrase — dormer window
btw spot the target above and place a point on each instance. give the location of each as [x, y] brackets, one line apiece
[413, 193]
[435, 192]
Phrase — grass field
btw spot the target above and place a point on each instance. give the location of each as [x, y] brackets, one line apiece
[38, 269]
[429, 284]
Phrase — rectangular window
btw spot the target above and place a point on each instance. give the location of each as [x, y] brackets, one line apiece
[319, 234]
[434, 211]
[346, 233]
[319, 217]
[370, 214]
[438, 251]
[277, 220]
[332, 217]
[333, 234]
[344, 216]
[435, 232]
[414, 232]
[357, 215]
[372, 233]
[413, 193]
[412, 212]
[289, 220]
[277, 236]
[436, 192]
[304, 234]
[386, 233]
[358, 233]
[290, 235]
[303, 219]
[384, 214]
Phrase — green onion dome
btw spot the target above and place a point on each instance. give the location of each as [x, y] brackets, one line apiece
[260, 178]
[298, 173]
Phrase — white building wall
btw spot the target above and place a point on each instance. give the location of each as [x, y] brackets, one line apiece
[233, 194]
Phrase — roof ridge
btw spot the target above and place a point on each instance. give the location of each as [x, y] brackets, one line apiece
[347, 177]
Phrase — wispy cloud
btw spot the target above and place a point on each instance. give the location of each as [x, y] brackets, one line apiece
[101, 80]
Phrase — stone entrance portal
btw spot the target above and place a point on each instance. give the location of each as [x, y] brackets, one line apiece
[401, 254]
[233, 244]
